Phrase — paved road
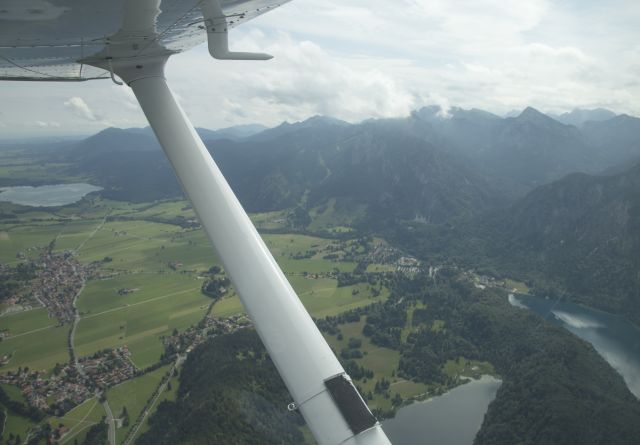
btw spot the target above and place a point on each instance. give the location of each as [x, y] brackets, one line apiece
[30, 332]
[140, 421]
[76, 320]
[111, 421]
[81, 425]
[104, 220]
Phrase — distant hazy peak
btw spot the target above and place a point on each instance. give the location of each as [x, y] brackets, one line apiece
[532, 115]
[313, 121]
[531, 112]
[319, 120]
[234, 133]
[436, 112]
[117, 130]
[244, 129]
[579, 116]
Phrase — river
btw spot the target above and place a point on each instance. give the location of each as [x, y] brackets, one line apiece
[615, 339]
[453, 418]
[46, 195]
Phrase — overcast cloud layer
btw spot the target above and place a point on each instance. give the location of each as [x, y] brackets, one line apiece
[356, 59]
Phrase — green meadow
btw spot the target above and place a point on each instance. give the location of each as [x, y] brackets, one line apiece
[133, 395]
[382, 361]
[321, 297]
[36, 340]
[79, 420]
[16, 425]
[140, 247]
[160, 304]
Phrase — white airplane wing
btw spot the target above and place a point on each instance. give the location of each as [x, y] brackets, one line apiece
[51, 39]
[73, 40]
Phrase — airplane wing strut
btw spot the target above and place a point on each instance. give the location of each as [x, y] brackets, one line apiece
[133, 39]
[336, 414]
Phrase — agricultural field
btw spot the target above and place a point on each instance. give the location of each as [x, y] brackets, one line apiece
[149, 263]
[161, 304]
[16, 425]
[134, 395]
[79, 420]
[36, 340]
[17, 167]
[322, 297]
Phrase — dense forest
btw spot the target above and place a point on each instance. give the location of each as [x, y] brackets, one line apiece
[556, 388]
[97, 434]
[579, 237]
[230, 393]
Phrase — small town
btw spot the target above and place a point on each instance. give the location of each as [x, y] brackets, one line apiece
[184, 342]
[59, 280]
[70, 384]
[66, 387]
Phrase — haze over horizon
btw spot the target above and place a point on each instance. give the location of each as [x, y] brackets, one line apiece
[248, 129]
[360, 60]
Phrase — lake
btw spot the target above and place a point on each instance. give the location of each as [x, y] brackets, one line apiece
[615, 338]
[46, 195]
[453, 418]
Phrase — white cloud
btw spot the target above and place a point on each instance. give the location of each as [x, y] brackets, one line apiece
[80, 108]
[368, 58]
[303, 80]
[42, 124]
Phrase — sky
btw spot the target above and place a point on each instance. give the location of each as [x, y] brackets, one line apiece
[360, 59]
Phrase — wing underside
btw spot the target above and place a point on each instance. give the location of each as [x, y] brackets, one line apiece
[51, 39]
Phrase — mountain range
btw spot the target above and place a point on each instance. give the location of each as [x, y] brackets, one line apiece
[583, 231]
[429, 165]
[532, 194]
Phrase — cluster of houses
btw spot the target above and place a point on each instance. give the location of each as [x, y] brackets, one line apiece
[382, 254]
[65, 387]
[109, 367]
[59, 280]
[408, 265]
[57, 392]
[185, 341]
[319, 275]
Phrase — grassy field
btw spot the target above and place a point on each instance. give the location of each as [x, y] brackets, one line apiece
[19, 166]
[23, 322]
[140, 251]
[134, 395]
[168, 395]
[16, 425]
[162, 303]
[468, 368]
[36, 341]
[285, 247]
[336, 216]
[519, 286]
[79, 420]
[382, 361]
[26, 237]
[270, 220]
[13, 392]
[322, 297]
[377, 268]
